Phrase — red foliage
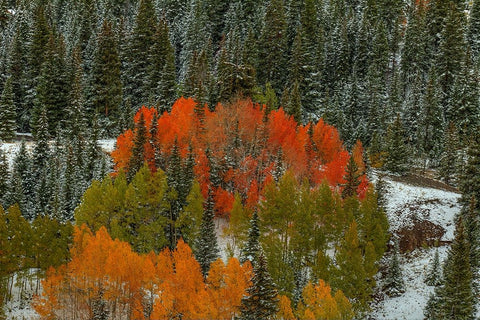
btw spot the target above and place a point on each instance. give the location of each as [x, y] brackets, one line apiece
[248, 149]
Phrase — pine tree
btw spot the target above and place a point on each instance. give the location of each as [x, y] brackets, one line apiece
[397, 152]
[449, 156]
[7, 113]
[22, 183]
[456, 296]
[105, 78]
[261, 301]
[142, 39]
[451, 52]
[252, 247]
[394, 283]
[162, 69]
[53, 85]
[41, 158]
[4, 179]
[206, 244]
[473, 32]
[138, 152]
[434, 276]
[295, 103]
[272, 55]
[352, 179]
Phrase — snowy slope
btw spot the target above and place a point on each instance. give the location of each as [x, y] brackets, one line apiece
[405, 202]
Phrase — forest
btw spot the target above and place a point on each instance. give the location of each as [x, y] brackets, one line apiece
[272, 118]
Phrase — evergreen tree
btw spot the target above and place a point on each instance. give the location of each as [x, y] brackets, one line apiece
[295, 103]
[162, 69]
[434, 276]
[206, 244]
[397, 152]
[394, 283]
[22, 183]
[142, 39]
[261, 301]
[449, 156]
[272, 54]
[252, 247]
[4, 179]
[352, 179]
[41, 158]
[456, 297]
[105, 78]
[138, 152]
[451, 52]
[7, 113]
[53, 85]
[473, 32]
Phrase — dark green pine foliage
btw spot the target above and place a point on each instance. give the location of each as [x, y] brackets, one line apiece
[18, 70]
[22, 183]
[472, 229]
[381, 190]
[216, 10]
[162, 69]
[463, 106]
[434, 276]
[38, 44]
[272, 52]
[4, 179]
[138, 152]
[352, 179]
[105, 78]
[394, 283]
[53, 86]
[206, 244]
[473, 32]
[178, 200]
[138, 87]
[449, 156]
[7, 113]
[295, 103]
[451, 52]
[196, 35]
[93, 154]
[470, 177]
[456, 297]
[4, 15]
[199, 79]
[261, 300]
[414, 60]
[41, 159]
[397, 150]
[430, 122]
[252, 248]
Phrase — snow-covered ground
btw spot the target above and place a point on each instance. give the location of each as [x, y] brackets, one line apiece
[404, 203]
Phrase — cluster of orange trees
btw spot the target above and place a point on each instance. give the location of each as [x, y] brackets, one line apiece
[319, 221]
[106, 279]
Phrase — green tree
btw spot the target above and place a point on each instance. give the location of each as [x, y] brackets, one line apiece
[138, 152]
[7, 113]
[252, 246]
[272, 54]
[142, 39]
[394, 283]
[352, 179]
[206, 245]
[261, 299]
[105, 77]
[434, 276]
[397, 150]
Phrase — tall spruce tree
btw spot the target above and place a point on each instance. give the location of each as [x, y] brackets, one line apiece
[142, 39]
[252, 247]
[394, 283]
[105, 78]
[7, 113]
[261, 300]
[397, 151]
[206, 245]
[434, 276]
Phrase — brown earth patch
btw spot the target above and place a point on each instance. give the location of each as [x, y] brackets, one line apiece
[419, 234]
[422, 181]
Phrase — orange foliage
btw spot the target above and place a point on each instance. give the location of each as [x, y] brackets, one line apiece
[106, 272]
[246, 145]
